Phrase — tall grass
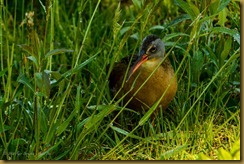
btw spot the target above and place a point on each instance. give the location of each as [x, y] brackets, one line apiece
[56, 58]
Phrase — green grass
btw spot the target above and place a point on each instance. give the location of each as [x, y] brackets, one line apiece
[54, 96]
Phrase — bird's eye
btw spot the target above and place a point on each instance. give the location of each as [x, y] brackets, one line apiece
[153, 49]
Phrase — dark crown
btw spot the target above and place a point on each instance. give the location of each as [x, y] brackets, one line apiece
[148, 39]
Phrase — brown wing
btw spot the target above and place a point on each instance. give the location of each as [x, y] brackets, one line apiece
[117, 75]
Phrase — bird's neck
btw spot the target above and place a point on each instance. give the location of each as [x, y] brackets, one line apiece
[151, 64]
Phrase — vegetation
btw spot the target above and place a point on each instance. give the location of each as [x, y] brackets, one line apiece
[56, 58]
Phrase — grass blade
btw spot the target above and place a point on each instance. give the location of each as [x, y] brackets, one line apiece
[24, 80]
[172, 152]
[57, 51]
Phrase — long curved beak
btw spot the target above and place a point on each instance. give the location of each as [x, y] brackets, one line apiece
[142, 59]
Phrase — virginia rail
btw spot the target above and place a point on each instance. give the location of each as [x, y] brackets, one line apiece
[151, 56]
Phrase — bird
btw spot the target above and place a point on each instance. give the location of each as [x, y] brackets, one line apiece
[150, 75]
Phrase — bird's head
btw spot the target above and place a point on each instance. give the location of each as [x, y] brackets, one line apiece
[152, 48]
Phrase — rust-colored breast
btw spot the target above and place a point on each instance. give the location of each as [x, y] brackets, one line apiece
[144, 96]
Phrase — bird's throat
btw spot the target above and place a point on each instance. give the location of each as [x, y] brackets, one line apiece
[151, 64]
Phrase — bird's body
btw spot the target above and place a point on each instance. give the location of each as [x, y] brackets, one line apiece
[154, 64]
